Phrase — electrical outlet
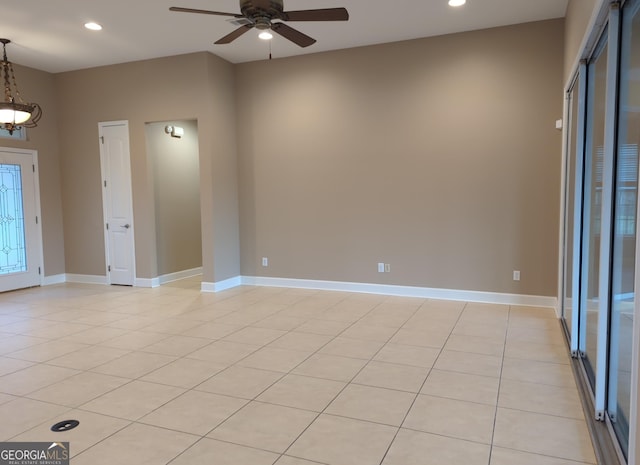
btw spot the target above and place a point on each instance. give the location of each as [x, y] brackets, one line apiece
[516, 275]
[380, 267]
[265, 261]
[387, 268]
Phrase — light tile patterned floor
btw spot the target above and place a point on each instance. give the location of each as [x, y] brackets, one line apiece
[255, 376]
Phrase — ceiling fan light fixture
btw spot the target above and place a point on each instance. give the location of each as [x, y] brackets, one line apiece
[457, 2]
[10, 114]
[93, 26]
[14, 112]
[265, 35]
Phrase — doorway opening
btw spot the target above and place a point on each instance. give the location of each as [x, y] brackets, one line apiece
[173, 151]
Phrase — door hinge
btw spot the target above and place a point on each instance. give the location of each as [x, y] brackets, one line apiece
[107, 226]
[105, 183]
[109, 268]
[102, 139]
[36, 220]
[39, 270]
[33, 167]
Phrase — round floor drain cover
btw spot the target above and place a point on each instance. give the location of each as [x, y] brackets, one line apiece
[65, 425]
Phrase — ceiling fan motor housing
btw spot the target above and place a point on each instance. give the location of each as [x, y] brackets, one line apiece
[261, 12]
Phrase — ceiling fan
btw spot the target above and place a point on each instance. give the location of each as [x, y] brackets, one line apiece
[261, 14]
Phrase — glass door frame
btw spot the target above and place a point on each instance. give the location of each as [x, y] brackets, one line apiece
[596, 369]
[634, 429]
[626, 46]
[579, 83]
[606, 222]
[576, 216]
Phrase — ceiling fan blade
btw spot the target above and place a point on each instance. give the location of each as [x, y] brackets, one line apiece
[326, 14]
[234, 35]
[204, 12]
[293, 35]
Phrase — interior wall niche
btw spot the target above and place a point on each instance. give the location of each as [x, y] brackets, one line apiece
[176, 180]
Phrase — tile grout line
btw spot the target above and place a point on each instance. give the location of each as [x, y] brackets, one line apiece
[384, 456]
[495, 415]
[255, 397]
[352, 378]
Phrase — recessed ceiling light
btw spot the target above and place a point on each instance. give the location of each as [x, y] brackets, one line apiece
[265, 35]
[93, 26]
[457, 2]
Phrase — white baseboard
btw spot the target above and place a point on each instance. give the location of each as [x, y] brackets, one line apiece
[54, 279]
[222, 285]
[139, 282]
[365, 288]
[85, 279]
[406, 291]
[167, 278]
[146, 282]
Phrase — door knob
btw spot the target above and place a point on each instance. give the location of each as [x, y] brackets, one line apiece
[126, 226]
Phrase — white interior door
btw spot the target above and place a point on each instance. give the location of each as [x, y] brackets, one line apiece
[117, 202]
[20, 244]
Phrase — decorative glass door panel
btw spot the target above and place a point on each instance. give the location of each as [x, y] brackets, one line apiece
[19, 230]
[13, 254]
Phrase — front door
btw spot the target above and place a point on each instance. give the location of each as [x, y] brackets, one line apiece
[20, 248]
[117, 200]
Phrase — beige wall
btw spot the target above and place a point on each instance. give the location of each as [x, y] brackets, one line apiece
[438, 156]
[347, 158]
[183, 87]
[220, 193]
[38, 86]
[577, 19]
[176, 186]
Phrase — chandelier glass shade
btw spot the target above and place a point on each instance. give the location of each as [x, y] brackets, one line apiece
[15, 113]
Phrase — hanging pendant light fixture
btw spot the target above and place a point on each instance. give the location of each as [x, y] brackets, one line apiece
[15, 113]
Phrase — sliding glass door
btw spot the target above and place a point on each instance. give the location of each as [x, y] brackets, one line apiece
[592, 208]
[601, 216]
[625, 226]
[574, 147]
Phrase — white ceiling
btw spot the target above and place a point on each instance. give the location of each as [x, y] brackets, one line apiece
[49, 34]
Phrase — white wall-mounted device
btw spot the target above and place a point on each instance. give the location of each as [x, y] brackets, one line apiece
[174, 131]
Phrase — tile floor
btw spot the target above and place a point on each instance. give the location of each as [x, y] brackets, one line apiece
[289, 377]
